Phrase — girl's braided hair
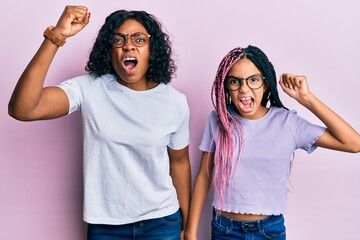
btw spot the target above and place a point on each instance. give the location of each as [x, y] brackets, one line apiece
[230, 128]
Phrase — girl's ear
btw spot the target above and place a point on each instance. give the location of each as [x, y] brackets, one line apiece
[266, 86]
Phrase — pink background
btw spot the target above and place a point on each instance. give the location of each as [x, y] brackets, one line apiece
[40, 162]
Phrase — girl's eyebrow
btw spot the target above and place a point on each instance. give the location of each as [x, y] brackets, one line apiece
[256, 74]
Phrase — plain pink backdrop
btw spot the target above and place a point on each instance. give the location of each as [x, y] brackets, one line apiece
[41, 162]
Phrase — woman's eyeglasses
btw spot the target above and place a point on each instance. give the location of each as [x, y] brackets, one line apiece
[139, 39]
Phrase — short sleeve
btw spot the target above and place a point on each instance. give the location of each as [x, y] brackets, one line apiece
[73, 92]
[181, 138]
[305, 133]
[208, 143]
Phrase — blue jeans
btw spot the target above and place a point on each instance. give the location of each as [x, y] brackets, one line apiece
[224, 228]
[164, 228]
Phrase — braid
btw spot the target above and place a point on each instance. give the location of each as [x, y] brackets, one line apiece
[223, 158]
[261, 61]
[230, 132]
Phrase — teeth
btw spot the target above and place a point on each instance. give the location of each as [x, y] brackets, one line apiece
[130, 59]
[244, 99]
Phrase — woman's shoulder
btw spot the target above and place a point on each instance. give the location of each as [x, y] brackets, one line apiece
[171, 89]
[90, 79]
[173, 93]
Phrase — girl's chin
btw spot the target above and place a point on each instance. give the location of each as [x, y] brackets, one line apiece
[245, 109]
[251, 113]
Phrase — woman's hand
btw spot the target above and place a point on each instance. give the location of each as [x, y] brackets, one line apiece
[30, 99]
[72, 20]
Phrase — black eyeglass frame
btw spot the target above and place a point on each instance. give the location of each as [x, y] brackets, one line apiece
[244, 79]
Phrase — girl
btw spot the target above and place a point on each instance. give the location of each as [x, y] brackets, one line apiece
[248, 146]
[136, 127]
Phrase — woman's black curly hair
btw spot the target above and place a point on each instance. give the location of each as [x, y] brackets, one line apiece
[161, 65]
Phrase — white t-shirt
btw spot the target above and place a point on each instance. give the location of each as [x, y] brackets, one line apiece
[126, 135]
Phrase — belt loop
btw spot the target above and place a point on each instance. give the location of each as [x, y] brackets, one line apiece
[259, 224]
[229, 226]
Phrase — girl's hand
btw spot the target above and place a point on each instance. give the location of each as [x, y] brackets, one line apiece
[295, 86]
[72, 21]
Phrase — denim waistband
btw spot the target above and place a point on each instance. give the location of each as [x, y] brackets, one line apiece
[249, 226]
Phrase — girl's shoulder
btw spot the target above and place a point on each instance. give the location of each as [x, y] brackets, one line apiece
[277, 111]
[284, 116]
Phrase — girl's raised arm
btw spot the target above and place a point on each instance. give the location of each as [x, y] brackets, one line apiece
[339, 135]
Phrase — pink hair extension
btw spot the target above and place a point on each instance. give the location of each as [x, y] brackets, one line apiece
[230, 129]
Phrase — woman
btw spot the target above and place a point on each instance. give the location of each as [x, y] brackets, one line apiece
[135, 126]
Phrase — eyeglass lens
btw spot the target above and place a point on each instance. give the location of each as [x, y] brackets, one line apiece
[253, 82]
[138, 39]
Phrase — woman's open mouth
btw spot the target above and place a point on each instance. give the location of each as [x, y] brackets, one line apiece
[129, 64]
